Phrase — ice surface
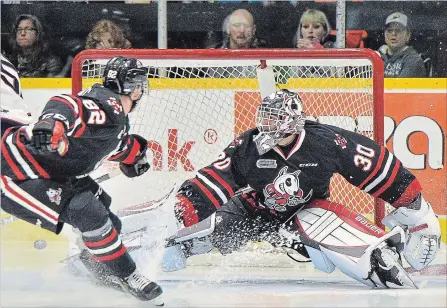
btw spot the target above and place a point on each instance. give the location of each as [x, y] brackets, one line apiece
[40, 282]
[36, 289]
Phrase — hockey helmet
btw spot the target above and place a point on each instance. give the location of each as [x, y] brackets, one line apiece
[279, 115]
[124, 75]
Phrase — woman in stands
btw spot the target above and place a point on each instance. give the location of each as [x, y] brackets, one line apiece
[313, 31]
[106, 34]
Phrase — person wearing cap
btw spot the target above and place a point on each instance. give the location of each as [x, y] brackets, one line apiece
[400, 59]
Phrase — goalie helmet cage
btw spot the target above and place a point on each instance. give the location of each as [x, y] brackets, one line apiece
[200, 99]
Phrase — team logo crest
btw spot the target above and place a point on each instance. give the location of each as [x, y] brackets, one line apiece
[55, 195]
[236, 141]
[340, 141]
[117, 107]
[285, 191]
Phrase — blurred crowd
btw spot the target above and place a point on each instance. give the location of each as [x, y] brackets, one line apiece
[29, 49]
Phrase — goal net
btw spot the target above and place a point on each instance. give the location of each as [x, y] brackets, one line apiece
[199, 100]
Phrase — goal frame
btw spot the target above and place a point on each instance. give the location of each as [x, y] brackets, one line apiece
[256, 54]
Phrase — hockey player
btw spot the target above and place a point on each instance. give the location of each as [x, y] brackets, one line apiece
[46, 165]
[288, 163]
[13, 109]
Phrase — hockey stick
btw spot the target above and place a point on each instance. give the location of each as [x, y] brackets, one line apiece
[108, 176]
[100, 179]
[147, 206]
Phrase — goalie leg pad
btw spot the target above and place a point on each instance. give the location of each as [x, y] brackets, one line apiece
[337, 236]
[423, 231]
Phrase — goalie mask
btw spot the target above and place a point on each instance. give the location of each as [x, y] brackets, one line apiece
[279, 116]
[125, 75]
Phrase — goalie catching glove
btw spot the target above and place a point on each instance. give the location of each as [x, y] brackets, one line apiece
[49, 134]
[423, 233]
[140, 164]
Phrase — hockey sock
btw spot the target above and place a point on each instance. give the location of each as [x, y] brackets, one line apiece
[106, 247]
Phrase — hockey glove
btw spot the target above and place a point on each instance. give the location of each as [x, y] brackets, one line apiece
[49, 135]
[140, 165]
[136, 169]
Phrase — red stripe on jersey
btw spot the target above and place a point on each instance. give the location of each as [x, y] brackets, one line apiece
[219, 179]
[130, 159]
[30, 158]
[297, 145]
[25, 200]
[376, 169]
[63, 100]
[190, 216]
[207, 193]
[280, 152]
[117, 156]
[390, 180]
[8, 158]
[113, 256]
[409, 194]
[102, 242]
[81, 116]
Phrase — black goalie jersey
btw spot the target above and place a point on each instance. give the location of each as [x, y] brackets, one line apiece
[97, 130]
[286, 177]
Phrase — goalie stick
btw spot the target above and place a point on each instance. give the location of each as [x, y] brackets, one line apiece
[100, 179]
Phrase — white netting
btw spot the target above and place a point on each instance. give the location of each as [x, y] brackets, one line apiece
[197, 106]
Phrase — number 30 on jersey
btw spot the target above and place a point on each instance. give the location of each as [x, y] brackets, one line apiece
[364, 156]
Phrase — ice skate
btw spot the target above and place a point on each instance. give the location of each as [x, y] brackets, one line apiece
[99, 273]
[142, 288]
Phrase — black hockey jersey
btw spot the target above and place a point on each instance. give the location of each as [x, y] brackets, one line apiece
[283, 180]
[97, 130]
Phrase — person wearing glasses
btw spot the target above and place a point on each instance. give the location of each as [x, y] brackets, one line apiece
[400, 59]
[30, 50]
[239, 32]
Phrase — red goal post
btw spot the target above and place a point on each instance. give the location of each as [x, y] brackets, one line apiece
[201, 98]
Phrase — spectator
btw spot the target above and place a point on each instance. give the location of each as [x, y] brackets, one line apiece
[106, 34]
[30, 50]
[400, 59]
[313, 31]
[239, 31]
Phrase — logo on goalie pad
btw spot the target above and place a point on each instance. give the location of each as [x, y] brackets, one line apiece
[55, 195]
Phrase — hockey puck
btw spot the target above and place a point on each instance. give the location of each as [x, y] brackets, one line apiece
[40, 244]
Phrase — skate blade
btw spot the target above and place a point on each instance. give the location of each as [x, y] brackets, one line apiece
[158, 301]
